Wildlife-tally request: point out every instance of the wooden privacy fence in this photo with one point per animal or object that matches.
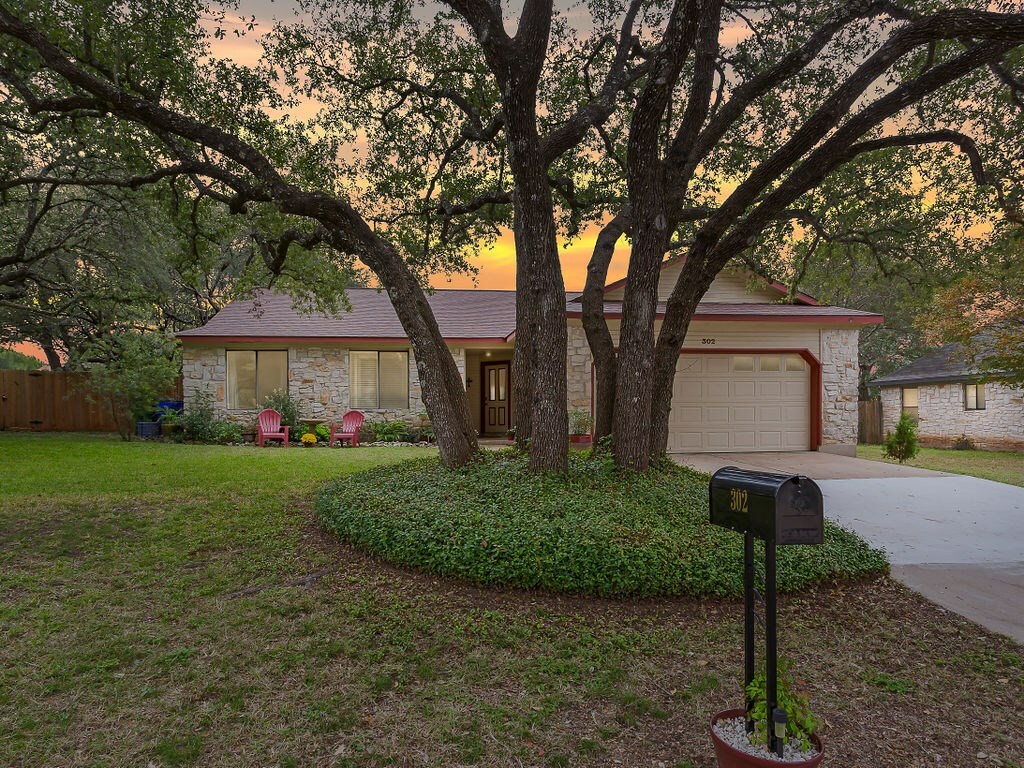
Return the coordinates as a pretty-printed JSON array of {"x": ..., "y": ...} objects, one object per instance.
[
  {"x": 54, "y": 401},
  {"x": 869, "y": 423}
]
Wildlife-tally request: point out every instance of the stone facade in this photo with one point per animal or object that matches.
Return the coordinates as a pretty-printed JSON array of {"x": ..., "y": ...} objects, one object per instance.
[
  {"x": 942, "y": 417},
  {"x": 317, "y": 380},
  {"x": 839, "y": 376},
  {"x": 578, "y": 365}
]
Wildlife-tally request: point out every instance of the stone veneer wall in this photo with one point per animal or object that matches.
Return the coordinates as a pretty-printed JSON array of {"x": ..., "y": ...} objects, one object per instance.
[
  {"x": 578, "y": 369},
  {"x": 839, "y": 378},
  {"x": 942, "y": 418},
  {"x": 317, "y": 379}
]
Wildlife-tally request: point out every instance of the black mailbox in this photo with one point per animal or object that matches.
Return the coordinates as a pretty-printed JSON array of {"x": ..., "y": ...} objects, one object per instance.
[{"x": 785, "y": 509}]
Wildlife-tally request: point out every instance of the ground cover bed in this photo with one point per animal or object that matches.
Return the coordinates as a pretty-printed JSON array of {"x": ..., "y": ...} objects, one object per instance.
[
  {"x": 596, "y": 532},
  {"x": 1001, "y": 466},
  {"x": 182, "y": 605}
]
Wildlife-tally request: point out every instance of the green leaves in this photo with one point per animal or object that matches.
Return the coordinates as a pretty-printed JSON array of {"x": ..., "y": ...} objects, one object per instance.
[{"x": 595, "y": 531}]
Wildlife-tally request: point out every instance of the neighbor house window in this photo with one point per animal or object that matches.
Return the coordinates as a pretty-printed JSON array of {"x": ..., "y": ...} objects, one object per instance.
[
  {"x": 910, "y": 401},
  {"x": 252, "y": 375},
  {"x": 378, "y": 379},
  {"x": 974, "y": 397}
]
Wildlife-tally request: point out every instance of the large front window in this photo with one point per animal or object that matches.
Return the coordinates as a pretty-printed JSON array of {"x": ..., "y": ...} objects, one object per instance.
[
  {"x": 379, "y": 379},
  {"x": 252, "y": 375}
]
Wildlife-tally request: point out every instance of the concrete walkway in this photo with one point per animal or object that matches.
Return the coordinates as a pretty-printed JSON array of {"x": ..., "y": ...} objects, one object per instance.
[{"x": 957, "y": 540}]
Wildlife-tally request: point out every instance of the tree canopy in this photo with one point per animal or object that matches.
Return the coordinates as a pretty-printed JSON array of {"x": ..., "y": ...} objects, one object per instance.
[{"x": 401, "y": 135}]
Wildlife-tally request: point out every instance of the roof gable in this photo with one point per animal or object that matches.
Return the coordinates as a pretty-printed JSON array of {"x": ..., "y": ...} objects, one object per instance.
[{"x": 730, "y": 286}]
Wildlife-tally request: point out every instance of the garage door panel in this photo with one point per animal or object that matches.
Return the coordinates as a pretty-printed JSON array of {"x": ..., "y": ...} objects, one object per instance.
[
  {"x": 717, "y": 408},
  {"x": 791, "y": 388},
  {"x": 744, "y": 441},
  {"x": 742, "y": 389},
  {"x": 716, "y": 391},
  {"x": 744, "y": 414},
  {"x": 717, "y": 441},
  {"x": 688, "y": 390}
]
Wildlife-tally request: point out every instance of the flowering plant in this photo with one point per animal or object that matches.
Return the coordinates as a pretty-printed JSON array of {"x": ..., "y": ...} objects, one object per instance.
[{"x": 309, "y": 438}]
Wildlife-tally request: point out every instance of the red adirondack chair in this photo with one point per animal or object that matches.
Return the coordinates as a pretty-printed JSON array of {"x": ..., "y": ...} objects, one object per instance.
[
  {"x": 349, "y": 429},
  {"x": 268, "y": 427}
]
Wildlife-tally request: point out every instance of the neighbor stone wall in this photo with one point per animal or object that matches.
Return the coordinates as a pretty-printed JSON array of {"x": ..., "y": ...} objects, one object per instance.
[
  {"x": 839, "y": 377},
  {"x": 943, "y": 419},
  {"x": 892, "y": 406},
  {"x": 317, "y": 379}
]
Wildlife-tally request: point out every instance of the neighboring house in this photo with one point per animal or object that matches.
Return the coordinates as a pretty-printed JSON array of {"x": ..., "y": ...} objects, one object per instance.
[
  {"x": 944, "y": 392},
  {"x": 755, "y": 374}
]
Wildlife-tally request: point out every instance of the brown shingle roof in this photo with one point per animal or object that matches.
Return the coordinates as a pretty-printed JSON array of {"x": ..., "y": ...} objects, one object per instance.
[
  {"x": 461, "y": 314},
  {"x": 757, "y": 311}
]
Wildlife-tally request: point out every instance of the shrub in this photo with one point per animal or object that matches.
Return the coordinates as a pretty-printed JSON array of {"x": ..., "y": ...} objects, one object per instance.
[
  {"x": 595, "y": 531},
  {"x": 198, "y": 421},
  {"x": 579, "y": 422},
  {"x": 283, "y": 403},
  {"x": 963, "y": 443},
  {"x": 322, "y": 432},
  {"x": 228, "y": 432},
  {"x": 390, "y": 431},
  {"x": 902, "y": 443},
  {"x": 129, "y": 371},
  {"x": 801, "y": 723}
]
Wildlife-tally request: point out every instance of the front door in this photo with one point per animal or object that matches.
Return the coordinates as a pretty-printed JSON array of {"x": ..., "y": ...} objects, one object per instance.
[{"x": 495, "y": 398}]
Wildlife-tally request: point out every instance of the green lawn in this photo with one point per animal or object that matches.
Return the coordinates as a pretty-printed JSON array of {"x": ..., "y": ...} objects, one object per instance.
[
  {"x": 1002, "y": 466},
  {"x": 174, "y": 605}
]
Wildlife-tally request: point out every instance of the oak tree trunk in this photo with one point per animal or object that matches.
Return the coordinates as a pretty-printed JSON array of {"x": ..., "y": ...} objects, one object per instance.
[{"x": 599, "y": 338}]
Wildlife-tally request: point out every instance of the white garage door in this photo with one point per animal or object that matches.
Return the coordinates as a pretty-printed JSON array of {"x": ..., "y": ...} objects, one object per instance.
[{"x": 731, "y": 402}]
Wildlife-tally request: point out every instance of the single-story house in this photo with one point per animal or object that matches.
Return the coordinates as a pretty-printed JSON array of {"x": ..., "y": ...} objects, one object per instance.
[
  {"x": 950, "y": 400},
  {"x": 755, "y": 373}
]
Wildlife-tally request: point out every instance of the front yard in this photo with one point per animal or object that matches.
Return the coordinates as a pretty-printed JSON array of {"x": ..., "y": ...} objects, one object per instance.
[
  {"x": 180, "y": 605},
  {"x": 1001, "y": 466}
]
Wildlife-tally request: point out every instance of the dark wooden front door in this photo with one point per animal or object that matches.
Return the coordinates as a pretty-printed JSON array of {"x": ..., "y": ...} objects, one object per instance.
[{"x": 496, "y": 393}]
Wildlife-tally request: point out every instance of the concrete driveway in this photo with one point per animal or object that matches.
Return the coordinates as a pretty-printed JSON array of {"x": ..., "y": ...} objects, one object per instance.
[{"x": 957, "y": 540}]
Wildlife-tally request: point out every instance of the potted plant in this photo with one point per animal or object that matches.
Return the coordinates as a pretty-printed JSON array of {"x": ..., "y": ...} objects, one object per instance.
[
  {"x": 308, "y": 440},
  {"x": 168, "y": 418},
  {"x": 510, "y": 434},
  {"x": 579, "y": 426},
  {"x": 736, "y": 747}
]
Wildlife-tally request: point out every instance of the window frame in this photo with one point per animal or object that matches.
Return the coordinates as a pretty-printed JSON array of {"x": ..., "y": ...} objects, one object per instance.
[
  {"x": 980, "y": 401},
  {"x": 378, "y": 407},
  {"x": 228, "y": 400},
  {"x": 912, "y": 410}
]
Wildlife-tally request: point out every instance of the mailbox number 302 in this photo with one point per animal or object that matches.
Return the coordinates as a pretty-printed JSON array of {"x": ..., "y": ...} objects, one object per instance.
[{"x": 738, "y": 500}]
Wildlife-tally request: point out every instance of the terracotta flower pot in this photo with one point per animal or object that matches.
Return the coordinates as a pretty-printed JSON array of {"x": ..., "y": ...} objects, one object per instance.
[
  {"x": 730, "y": 757},
  {"x": 579, "y": 438}
]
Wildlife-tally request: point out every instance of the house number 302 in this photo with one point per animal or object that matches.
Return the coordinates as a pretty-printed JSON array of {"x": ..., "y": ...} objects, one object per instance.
[
  {"x": 738, "y": 500},
  {"x": 707, "y": 342}
]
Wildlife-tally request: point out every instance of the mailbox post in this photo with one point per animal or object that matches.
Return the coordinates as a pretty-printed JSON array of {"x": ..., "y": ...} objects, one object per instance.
[{"x": 778, "y": 509}]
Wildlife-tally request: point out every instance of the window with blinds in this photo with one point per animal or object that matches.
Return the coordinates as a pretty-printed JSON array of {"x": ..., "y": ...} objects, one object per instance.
[
  {"x": 974, "y": 397},
  {"x": 378, "y": 379},
  {"x": 252, "y": 375}
]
